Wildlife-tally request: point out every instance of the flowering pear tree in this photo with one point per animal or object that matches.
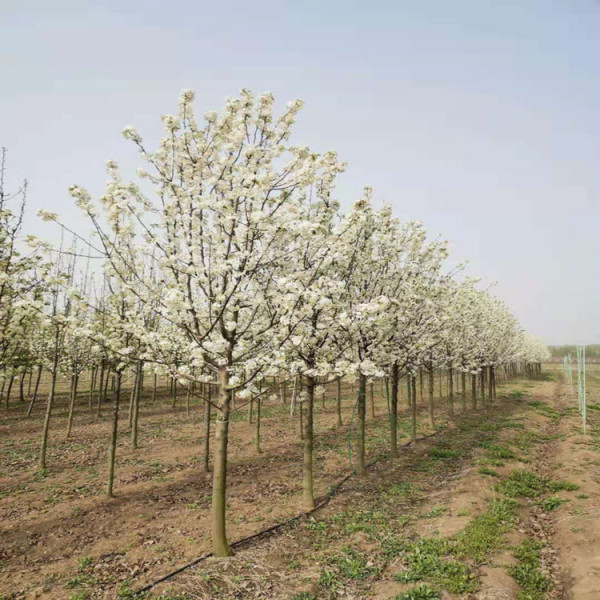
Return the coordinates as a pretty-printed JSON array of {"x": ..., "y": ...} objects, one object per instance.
[{"x": 225, "y": 217}]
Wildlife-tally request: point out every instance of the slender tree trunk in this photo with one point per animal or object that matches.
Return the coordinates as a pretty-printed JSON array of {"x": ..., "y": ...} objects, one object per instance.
[
  {"x": 3, "y": 386},
  {"x": 72, "y": 398},
  {"x": 361, "y": 416},
  {"x": 413, "y": 395},
  {"x": 494, "y": 383},
  {"x": 29, "y": 383},
  {"x": 220, "y": 545},
  {"x": 101, "y": 388},
  {"x": 35, "y": 391},
  {"x": 174, "y": 392},
  {"x": 257, "y": 433},
  {"x": 490, "y": 384},
  {"x": 431, "y": 407},
  {"x": 339, "y": 402},
  {"x": 132, "y": 398},
  {"x": 450, "y": 393},
  {"x": 372, "y": 392},
  {"x": 308, "y": 493},
  {"x": 250, "y": 409},
  {"x": 463, "y": 393},
  {"x": 474, "y": 391},
  {"x": 92, "y": 386},
  {"x": 136, "y": 406},
  {"x": 154, "y": 385},
  {"x": 394, "y": 412},
  {"x": 207, "y": 407},
  {"x": 49, "y": 405},
  {"x": 9, "y": 390},
  {"x": 113, "y": 435},
  {"x": 22, "y": 387},
  {"x": 482, "y": 385}
]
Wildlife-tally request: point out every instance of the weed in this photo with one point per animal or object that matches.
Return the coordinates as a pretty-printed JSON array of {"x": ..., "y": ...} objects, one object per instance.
[
  {"x": 483, "y": 535},
  {"x": 443, "y": 453},
  {"x": 534, "y": 584},
  {"x": 488, "y": 471},
  {"x": 557, "y": 486},
  {"x": 425, "y": 561},
  {"x": 551, "y": 503},
  {"x": 522, "y": 483},
  {"x": 420, "y": 592},
  {"x": 353, "y": 565}
]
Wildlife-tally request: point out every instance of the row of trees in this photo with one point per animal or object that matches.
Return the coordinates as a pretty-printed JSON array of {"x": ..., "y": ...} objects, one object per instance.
[{"x": 231, "y": 268}]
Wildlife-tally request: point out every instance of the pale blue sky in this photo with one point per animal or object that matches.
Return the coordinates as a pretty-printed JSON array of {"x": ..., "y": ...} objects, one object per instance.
[{"x": 478, "y": 117}]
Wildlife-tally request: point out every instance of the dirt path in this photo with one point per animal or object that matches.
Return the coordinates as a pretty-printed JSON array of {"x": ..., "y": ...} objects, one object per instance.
[{"x": 576, "y": 524}]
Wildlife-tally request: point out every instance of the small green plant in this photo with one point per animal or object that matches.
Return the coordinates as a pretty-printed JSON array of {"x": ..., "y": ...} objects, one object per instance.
[
  {"x": 551, "y": 503},
  {"x": 420, "y": 592},
  {"x": 329, "y": 580},
  {"x": 488, "y": 471},
  {"x": 354, "y": 565}
]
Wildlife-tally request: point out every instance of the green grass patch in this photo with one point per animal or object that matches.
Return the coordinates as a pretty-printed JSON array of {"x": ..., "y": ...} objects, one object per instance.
[
  {"x": 426, "y": 560},
  {"x": 420, "y": 592},
  {"x": 534, "y": 584},
  {"x": 444, "y": 453}
]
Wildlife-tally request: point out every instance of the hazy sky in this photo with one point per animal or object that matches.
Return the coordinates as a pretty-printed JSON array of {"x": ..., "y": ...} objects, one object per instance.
[{"x": 479, "y": 117}]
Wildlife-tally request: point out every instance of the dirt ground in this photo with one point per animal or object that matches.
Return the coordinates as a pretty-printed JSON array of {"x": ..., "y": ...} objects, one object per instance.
[{"x": 61, "y": 538}]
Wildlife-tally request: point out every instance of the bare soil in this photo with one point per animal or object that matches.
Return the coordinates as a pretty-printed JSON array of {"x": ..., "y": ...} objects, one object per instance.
[{"x": 62, "y": 538}]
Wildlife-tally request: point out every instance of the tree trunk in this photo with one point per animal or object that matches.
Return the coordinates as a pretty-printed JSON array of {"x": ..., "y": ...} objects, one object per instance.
[
  {"x": 490, "y": 384},
  {"x": 339, "y": 402},
  {"x": 22, "y": 387},
  {"x": 463, "y": 393},
  {"x": 8, "y": 391},
  {"x": 450, "y": 393},
  {"x": 250, "y": 408},
  {"x": 207, "y": 407},
  {"x": 92, "y": 386},
  {"x": 101, "y": 389},
  {"x": 136, "y": 406},
  {"x": 474, "y": 391},
  {"x": 413, "y": 396},
  {"x": 72, "y": 398},
  {"x": 49, "y": 404},
  {"x": 361, "y": 415},
  {"x": 372, "y": 392},
  {"x": 220, "y": 545},
  {"x": 308, "y": 493},
  {"x": 154, "y": 385},
  {"x": 394, "y": 412},
  {"x": 35, "y": 391},
  {"x": 431, "y": 408},
  {"x": 113, "y": 435},
  {"x": 257, "y": 436},
  {"x": 494, "y": 383}
]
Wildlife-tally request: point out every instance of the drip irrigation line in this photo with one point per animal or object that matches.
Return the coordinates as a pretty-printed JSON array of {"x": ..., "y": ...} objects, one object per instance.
[{"x": 275, "y": 528}]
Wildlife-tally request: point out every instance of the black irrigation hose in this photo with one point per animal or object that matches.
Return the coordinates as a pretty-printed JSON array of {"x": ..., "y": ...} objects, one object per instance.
[{"x": 274, "y": 528}]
